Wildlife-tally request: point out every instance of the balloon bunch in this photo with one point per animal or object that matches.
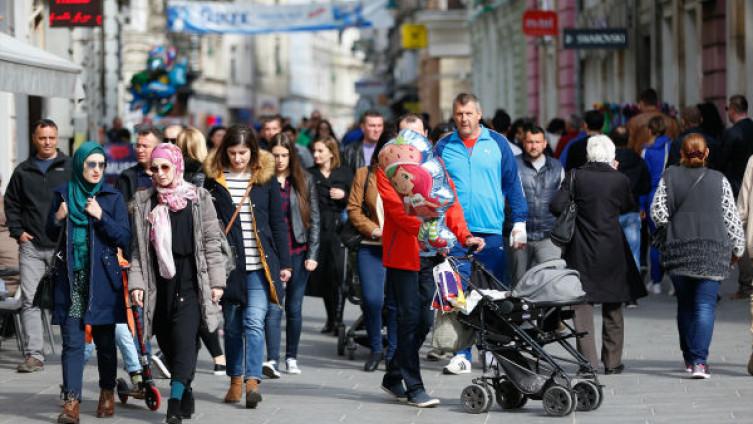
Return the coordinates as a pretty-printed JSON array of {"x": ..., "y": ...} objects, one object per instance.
[
  {"x": 421, "y": 180},
  {"x": 157, "y": 86}
]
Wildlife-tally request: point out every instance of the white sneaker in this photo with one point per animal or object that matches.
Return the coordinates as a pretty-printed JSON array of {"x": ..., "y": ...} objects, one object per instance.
[
  {"x": 156, "y": 360},
  {"x": 269, "y": 369},
  {"x": 458, "y": 365},
  {"x": 291, "y": 366},
  {"x": 655, "y": 288}
]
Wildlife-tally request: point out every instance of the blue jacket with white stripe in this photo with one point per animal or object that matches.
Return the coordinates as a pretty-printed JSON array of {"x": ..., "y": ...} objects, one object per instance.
[{"x": 485, "y": 177}]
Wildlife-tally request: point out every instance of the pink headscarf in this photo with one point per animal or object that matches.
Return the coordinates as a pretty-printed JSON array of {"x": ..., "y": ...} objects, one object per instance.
[{"x": 173, "y": 198}]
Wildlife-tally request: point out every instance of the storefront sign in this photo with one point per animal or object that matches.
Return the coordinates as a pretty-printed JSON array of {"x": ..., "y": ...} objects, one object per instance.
[
  {"x": 234, "y": 18},
  {"x": 414, "y": 36},
  {"x": 540, "y": 23},
  {"x": 602, "y": 38},
  {"x": 75, "y": 13}
]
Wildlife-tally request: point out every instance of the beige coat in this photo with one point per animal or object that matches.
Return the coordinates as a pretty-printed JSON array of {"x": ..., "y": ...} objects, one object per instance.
[
  {"x": 209, "y": 260},
  {"x": 745, "y": 204}
]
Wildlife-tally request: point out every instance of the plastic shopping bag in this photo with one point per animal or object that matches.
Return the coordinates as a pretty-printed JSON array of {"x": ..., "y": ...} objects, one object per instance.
[{"x": 449, "y": 295}]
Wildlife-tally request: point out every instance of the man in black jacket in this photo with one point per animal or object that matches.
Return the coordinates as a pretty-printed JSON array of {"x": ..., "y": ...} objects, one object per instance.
[
  {"x": 136, "y": 178},
  {"x": 27, "y": 204},
  {"x": 358, "y": 155},
  {"x": 737, "y": 147}
]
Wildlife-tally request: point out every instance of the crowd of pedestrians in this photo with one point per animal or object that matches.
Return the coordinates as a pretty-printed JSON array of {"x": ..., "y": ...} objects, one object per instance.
[{"x": 230, "y": 232}]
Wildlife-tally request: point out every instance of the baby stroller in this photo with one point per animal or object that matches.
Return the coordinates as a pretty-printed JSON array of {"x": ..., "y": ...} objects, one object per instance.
[{"x": 515, "y": 330}]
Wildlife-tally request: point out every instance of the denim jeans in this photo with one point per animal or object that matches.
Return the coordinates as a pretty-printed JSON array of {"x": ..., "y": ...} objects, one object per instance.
[
  {"x": 244, "y": 329},
  {"x": 273, "y": 326},
  {"x": 294, "y": 292},
  {"x": 126, "y": 345},
  {"x": 74, "y": 340},
  {"x": 631, "y": 226},
  {"x": 492, "y": 258},
  {"x": 371, "y": 273},
  {"x": 413, "y": 297},
  {"x": 696, "y": 311}
]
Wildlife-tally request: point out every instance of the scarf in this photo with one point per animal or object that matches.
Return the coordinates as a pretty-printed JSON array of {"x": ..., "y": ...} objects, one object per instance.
[
  {"x": 79, "y": 190},
  {"x": 173, "y": 197}
]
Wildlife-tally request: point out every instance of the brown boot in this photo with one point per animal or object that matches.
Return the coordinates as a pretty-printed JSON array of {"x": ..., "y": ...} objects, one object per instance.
[
  {"x": 235, "y": 391},
  {"x": 253, "y": 397},
  {"x": 106, "y": 405},
  {"x": 70, "y": 411}
]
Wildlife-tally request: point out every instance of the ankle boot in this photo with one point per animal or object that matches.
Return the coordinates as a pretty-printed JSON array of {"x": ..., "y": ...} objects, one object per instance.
[
  {"x": 235, "y": 391},
  {"x": 106, "y": 405},
  {"x": 187, "y": 405},
  {"x": 253, "y": 397},
  {"x": 173, "y": 412},
  {"x": 70, "y": 413}
]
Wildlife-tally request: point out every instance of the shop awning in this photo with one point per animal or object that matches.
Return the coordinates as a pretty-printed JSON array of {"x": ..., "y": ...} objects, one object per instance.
[{"x": 30, "y": 70}]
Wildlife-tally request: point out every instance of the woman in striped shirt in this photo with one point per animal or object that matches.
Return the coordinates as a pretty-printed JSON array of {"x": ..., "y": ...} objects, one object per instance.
[{"x": 246, "y": 195}]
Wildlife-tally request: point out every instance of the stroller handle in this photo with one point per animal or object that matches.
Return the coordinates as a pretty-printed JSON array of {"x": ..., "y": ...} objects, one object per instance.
[{"x": 470, "y": 250}]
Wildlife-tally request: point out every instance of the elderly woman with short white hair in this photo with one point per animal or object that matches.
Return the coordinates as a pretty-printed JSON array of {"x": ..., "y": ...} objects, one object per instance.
[{"x": 599, "y": 250}]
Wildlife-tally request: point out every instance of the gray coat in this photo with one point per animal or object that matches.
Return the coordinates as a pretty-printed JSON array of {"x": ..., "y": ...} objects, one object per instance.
[
  {"x": 301, "y": 234},
  {"x": 209, "y": 260}
]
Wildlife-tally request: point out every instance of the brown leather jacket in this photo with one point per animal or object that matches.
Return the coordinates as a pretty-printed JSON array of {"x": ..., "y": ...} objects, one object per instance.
[
  {"x": 364, "y": 224},
  {"x": 638, "y": 128}
]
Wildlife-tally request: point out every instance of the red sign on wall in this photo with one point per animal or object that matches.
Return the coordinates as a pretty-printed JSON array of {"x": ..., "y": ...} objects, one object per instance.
[
  {"x": 74, "y": 13},
  {"x": 539, "y": 23}
]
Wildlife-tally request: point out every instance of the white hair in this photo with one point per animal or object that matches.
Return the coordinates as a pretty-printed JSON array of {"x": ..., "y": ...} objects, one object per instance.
[{"x": 600, "y": 148}]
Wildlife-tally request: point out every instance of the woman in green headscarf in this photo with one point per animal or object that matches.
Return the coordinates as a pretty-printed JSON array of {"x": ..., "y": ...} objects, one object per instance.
[{"x": 88, "y": 284}]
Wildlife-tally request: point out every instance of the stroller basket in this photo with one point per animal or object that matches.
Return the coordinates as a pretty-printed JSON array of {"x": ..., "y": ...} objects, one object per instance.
[{"x": 525, "y": 379}]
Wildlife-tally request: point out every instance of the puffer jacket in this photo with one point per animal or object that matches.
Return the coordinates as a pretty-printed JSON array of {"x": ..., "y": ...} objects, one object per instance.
[
  {"x": 210, "y": 264},
  {"x": 539, "y": 188}
]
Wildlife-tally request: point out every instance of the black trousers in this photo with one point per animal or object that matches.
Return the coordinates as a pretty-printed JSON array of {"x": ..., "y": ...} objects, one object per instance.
[
  {"x": 178, "y": 337},
  {"x": 211, "y": 341},
  {"x": 413, "y": 292}
]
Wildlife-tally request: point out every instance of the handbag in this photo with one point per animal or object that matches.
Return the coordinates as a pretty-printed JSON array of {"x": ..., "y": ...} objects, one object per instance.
[
  {"x": 44, "y": 297},
  {"x": 564, "y": 226},
  {"x": 349, "y": 235},
  {"x": 451, "y": 335},
  {"x": 659, "y": 238}
]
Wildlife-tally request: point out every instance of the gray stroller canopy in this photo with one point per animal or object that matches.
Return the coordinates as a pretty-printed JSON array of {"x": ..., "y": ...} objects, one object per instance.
[{"x": 550, "y": 282}]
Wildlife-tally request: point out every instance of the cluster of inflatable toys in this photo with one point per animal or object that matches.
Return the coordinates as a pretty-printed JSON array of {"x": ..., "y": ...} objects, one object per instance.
[{"x": 158, "y": 86}]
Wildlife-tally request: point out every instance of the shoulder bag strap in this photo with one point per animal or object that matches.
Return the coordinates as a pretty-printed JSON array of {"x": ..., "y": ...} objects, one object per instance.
[
  {"x": 572, "y": 185},
  {"x": 364, "y": 206},
  {"x": 229, "y": 225},
  {"x": 695, "y": 183}
]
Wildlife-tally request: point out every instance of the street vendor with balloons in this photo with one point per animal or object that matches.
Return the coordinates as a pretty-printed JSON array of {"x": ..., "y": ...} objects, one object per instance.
[{"x": 422, "y": 222}]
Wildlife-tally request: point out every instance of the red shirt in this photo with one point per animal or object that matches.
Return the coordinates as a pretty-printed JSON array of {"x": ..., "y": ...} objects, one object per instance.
[
  {"x": 400, "y": 235},
  {"x": 470, "y": 142}
]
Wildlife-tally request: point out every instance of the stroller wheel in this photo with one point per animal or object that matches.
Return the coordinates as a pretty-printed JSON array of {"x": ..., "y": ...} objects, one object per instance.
[
  {"x": 589, "y": 396},
  {"x": 152, "y": 397},
  {"x": 509, "y": 397},
  {"x": 475, "y": 399},
  {"x": 341, "y": 340},
  {"x": 558, "y": 401},
  {"x": 123, "y": 391}
]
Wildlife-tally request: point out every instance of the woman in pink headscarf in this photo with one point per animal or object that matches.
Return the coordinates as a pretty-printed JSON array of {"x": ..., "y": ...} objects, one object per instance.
[{"x": 177, "y": 269}]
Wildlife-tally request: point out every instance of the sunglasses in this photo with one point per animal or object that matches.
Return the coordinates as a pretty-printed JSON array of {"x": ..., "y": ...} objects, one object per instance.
[
  {"x": 164, "y": 167},
  {"x": 171, "y": 140},
  {"x": 91, "y": 164}
]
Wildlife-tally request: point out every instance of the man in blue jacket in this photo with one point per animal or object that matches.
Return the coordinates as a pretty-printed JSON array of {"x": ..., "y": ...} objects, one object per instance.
[{"x": 485, "y": 173}]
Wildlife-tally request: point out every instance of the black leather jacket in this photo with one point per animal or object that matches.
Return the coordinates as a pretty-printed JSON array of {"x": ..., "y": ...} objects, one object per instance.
[
  {"x": 353, "y": 156},
  {"x": 301, "y": 234}
]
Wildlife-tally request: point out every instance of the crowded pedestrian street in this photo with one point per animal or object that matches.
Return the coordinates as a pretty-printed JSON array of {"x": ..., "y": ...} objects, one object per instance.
[
  {"x": 376, "y": 211},
  {"x": 653, "y": 389}
]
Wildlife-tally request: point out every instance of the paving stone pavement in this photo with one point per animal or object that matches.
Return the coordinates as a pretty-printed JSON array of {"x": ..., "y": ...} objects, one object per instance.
[{"x": 332, "y": 389}]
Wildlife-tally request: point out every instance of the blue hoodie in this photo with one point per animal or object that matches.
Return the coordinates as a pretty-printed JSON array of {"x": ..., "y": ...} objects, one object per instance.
[
  {"x": 485, "y": 177},
  {"x": 656, "y": 156}
]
